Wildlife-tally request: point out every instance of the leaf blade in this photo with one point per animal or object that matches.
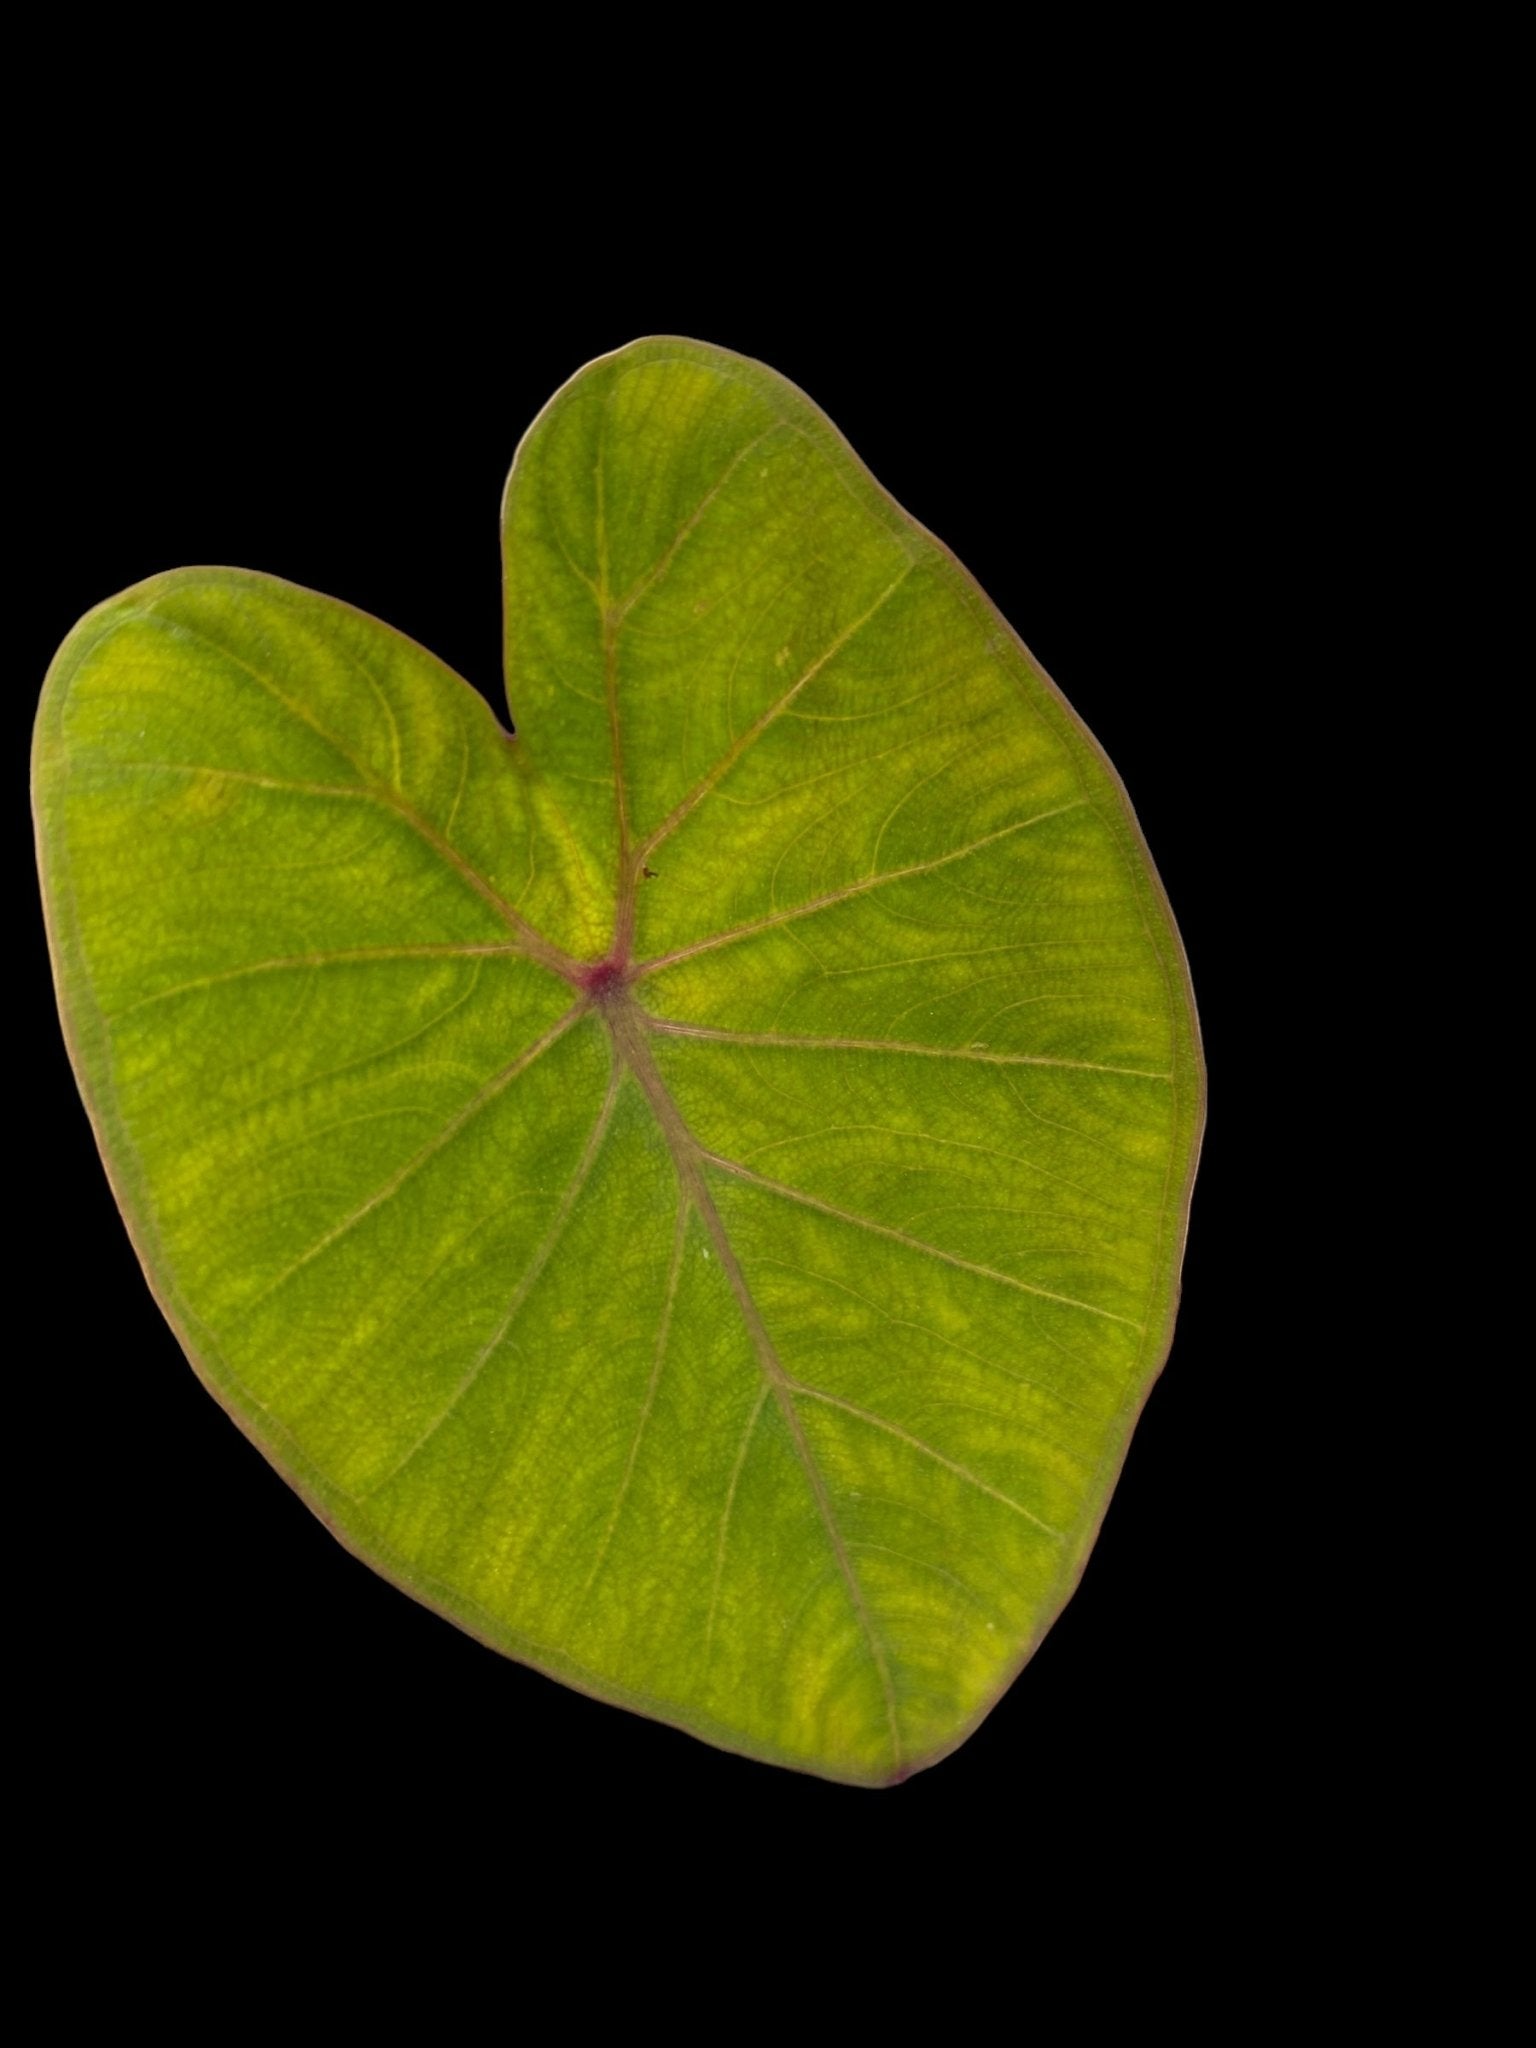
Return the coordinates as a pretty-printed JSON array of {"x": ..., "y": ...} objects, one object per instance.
[{"x": 564, "y": 1301}]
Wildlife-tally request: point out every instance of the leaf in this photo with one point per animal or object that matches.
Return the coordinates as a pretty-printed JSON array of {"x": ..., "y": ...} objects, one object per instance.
[{"x": 695, "y": 1193}]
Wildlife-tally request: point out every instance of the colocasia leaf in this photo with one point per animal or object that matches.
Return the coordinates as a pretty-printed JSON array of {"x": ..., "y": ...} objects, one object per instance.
[{"x": 694, "y": 1193}]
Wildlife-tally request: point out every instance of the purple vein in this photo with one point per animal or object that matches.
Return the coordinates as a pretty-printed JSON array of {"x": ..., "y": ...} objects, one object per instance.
[
  {"x": 663, "y": 561},
  {"x": 954, "y": 1144},
  {"x": 917, "y": 1443},
  {"x": 784, "y": 1042},
  {"x": 414, "y": 1164},
  {"x": 687, "y": 1155},
  {"x": 760, "y": 725},
  {"x": 861, "y": 888},
  {"x": 623, "y": 889},
  {"x": 916, "y": 1244},
  {"x": 782, "y": 1388},
  {"x": 525, "y": 1285},
  {"x": 534, "y": 942},
  {"x": 346, "y": 956},
  {"x": 612, "y": 618}
]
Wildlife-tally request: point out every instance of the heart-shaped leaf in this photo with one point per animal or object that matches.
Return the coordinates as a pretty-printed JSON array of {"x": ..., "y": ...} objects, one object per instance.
[{"x": 694, "y": 1193}]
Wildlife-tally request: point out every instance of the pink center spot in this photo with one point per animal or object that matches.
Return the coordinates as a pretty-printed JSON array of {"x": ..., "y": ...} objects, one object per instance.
[{"x": 603, "y": 979}]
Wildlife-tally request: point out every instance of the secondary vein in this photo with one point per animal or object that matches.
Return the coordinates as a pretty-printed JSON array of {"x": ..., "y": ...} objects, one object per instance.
[
  {"x": 688, "y": 1157},
  {"x": 534, "y": 942},
  {"x": 859, "y": 888},
  {"x": 902, "y": 1237},
  {"x": 779, "y": 1040},
  {"x": 414, "y": 1164},
  {"x": 524, "y": 1286}
]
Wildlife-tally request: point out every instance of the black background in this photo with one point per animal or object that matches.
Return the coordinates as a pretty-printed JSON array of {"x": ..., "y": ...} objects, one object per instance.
[{"x": 350, "y": 428}]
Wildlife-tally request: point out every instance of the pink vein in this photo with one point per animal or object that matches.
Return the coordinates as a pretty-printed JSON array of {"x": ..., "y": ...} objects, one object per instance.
[
  {"x": 917, "y": 1244},
  {"x": 536, "y": 944},
  {"x": 524, "y": 1287},
  {"x": 917, "y": 1443},
  {"x": 760, "y": 725},
  {"x": 663, "y": 561},
  {"x": 862, "y": 888},
  {"x": 687, "y": 1154},
  {"x": 778, "y": 1039},
  {"x": 413, "y": 1165},
  {"x": 346, "y": 956}
]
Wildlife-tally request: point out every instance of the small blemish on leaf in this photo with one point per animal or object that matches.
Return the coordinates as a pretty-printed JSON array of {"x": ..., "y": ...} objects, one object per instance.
[{"x": 647, "y": 874}]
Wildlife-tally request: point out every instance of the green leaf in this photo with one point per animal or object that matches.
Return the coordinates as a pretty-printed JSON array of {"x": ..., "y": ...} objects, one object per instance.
[{"x": 695, "y": 1194}]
